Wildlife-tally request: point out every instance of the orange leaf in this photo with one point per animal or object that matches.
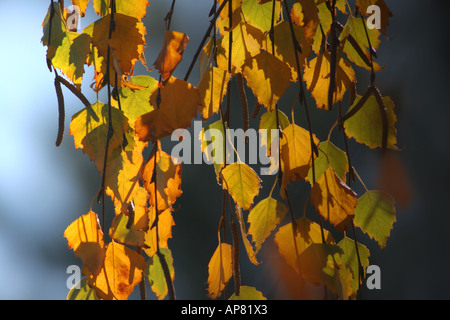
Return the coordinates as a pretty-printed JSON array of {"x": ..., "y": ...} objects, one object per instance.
[
  {"x": 296, "y": 158},
  {"x": 179, "y": 103},
  {"x": 165, "y": 224},
  {"x": 334, "y": 200},
  {"x": 171, "y": 53},
  {"x": 86, "y": 238},
  {"x": 121, "y": 272},
  {"x": 317, "y": 77},
  {"x": 168, "y": 180},
  {"x": 219, "y": 270}
]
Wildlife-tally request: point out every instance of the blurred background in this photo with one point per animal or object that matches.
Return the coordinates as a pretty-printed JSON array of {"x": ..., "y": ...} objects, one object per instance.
[{"x": 44, "y": 188}]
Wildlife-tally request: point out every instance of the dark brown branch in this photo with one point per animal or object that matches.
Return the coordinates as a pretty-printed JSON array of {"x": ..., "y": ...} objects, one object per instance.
[
  {"x": 80, "y": 96},
  {"x": 61, "y": 111},
  {"x": 205, "y": 37}
]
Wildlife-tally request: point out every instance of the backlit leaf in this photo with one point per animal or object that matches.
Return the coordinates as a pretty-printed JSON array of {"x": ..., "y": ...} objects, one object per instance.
[
  {"x": 154, "y": 272},
  {"x": 317, "y": 77},
  {"x": 264, "y": 218},
  {"x": 219, "y": 270},
  {"x": 260, "y": 15},
  {"x": 84, "y": 292},
  {"x": 248, "y": 293},
  {"x": 135, "y": 8},
  {"x": 179, "y": 104},
  {"x": 212, "y": 88},
  {"x": 268, "y": 77},
  {"x": 375, "y": 215},
  {"x": 296, "y": 156},
  {"x": 334, "y": 200},
  {"x": 269, "y": 122},
  {"x": 242, "y": 183},
  {"x": 305, "y": 14},
  {"x": 171, "y": 54},
  {"x": 121, "y": 272},
  {"x": 168, "y": 180},
  {"x": 85, "y": 237},
  {"x": 350, "y": 258},
  {"x": 307, "y": 232},
  {"x": 366, "y": 126},
  {"x": 165, "y": 224},
  {"x": 329, "y": 156}
]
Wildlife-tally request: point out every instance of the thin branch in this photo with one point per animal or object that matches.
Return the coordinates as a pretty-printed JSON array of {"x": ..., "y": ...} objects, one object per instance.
[{"x": 205, "y": 37}]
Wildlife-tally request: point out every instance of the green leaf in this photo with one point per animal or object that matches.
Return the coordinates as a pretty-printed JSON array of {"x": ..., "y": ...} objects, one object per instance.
[
  {"x": 85, "y": 292},
  {"x": 260, "y": 15},
  {"x": 155, "y": 274},
  {"x": 358, "y": 32},
  {"x": 366, "y": 125},
  {"x": 350, "y": 258},
  {"x": 375, "y": 215},
  {"x": 135, "y": 103},
  {"x": 248, "y": 293},
  {"x": 329, "y": 155},
  {"x": 264, "y": 218}
]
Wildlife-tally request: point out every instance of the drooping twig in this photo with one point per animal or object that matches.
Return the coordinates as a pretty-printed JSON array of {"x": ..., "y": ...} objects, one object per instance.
[{"x": 205, "y": 37}]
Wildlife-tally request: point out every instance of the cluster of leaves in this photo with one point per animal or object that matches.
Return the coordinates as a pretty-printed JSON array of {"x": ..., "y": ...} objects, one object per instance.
[{"x": 268, "y": 46}]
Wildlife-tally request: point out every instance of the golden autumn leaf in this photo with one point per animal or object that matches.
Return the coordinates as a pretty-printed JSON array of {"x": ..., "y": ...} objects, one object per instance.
[
  {"x": 179, "y": 103},
  {"x": 168, "y": 180},
  {"x": 122, "y": 175},
  {"x": 247, "y": 43},
  {"x": 307, "y": 232},
  {"x": 296, "y": 156},
  {"x": 130, "y": 227},
  {"x": 305, "y": 14},
  {"x": 165, "y": 224},
  {"x": 135, "y": 8},
  {"x": 127, "y": 44},
  {"x": 212, "y": 89},
  {"x": 242, "y": 183},
  {"x": 171, "y": 54},
  {"x": 219, "y": 270},
  {"x": 82, "y": 4},
  {"x": 334, "y": 200},
  {"x": 121, "y": 272},
  {"x": 268, "y": 77},
  {"x": 317, "y": 77},
  {"x": 85, "y": 237}
]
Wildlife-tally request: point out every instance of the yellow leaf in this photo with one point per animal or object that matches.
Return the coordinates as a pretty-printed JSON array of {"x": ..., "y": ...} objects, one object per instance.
[
  {"x": 317, "y": 77},
  {"x": 168, "y": 180},
  {"x": 179, "y": 103},
  {"x": 86, "y": 238},
  {"x": 247, "y": 42},
  {"x": 268, "y": 77},
  {"x": 171, "y": 53},
  {"x": 127, "y": 44},
  {"x": 334, "y": 200},
  {"x": 219, "y": 270},
  {"x": 121, "y": 272},
  {"x": 122, "y": 175},
  {"x": 385, "y": 13},
  {"x": 307, "y": 232},
  {"x": 130, "y": 227},
  {"x": 296, "y": 157},
  {"x": 242, "y": 183},
  {"x": 212, "y": 89},
  {"x": 135, "y": 8},
  {"x": 165, "y": 224}
]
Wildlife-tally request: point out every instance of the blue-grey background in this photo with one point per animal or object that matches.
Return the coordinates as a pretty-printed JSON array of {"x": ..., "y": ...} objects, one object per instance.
[{"x": 44, "y": 188}]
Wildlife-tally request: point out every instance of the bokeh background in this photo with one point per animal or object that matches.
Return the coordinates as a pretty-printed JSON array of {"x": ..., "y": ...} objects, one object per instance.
[{"x": 44, "y": 188}]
